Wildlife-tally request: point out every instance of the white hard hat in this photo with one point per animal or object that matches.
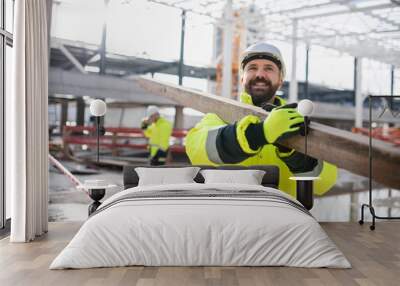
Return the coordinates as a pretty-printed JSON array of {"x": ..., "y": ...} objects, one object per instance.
[
  {"x": 152, "y": 109},
  {"x": 263, "y": 50}
]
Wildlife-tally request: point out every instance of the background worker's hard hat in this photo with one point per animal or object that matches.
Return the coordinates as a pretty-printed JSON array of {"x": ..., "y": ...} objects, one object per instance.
[
  {"x": 263, "y": 51},
  {"x": 152, "y": 109}
]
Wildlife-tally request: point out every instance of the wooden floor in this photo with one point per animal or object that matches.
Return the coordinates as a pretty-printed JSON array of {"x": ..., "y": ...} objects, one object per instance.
[{"x": 374, "y": 255}]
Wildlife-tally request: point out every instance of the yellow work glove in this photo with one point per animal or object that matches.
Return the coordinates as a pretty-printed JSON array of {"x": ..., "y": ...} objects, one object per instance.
[
  {"x": 145, "y": 123},
  {"x": 282, "y": 122}
]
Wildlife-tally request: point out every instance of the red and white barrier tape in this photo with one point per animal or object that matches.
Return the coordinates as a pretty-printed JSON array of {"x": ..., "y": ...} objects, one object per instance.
[{"x": 65, "y": 171}]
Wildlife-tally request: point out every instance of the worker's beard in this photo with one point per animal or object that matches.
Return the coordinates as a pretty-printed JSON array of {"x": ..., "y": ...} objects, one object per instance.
[{"x": 261, "y": 94}]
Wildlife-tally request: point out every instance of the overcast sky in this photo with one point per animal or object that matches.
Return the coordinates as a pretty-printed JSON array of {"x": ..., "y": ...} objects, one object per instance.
[{"x": 150, "y": 30}]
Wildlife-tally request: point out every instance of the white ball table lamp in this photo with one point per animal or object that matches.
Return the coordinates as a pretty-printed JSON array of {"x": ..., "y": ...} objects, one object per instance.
[{"x": 304, "y": 185}]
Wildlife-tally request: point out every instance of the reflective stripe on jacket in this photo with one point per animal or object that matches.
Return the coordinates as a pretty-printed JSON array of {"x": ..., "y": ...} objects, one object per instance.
[{"x": 211, "y": 142}]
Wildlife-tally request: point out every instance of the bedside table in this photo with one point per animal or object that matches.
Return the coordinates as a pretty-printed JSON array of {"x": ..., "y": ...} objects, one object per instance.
[
  {"x": 96, "y": 191},
  {"x": 304, "y": 190}
]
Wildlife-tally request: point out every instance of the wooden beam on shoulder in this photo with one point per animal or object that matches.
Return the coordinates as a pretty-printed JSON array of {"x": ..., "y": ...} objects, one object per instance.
[{"x": 342, "y": 148}]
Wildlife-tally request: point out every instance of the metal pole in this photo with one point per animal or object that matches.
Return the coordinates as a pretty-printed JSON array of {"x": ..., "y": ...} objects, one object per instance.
[
  {"x": 180, "y": 67},
  {"x": 103, "y": 44},
  {"x": 98, "y": 136},
  {"x": 358, "y": 94},
  {"x": 63, "y": 115},
  {"x": 305, "y": 137},
  {"x": 370, "y": 150},
  {"x": 307, "y": 70},
  {"x": 392, "y": 81},
  {"x": 80, "y": 111},
  {"x": 355, "y": 81},
  {"x": 103, "y": 50},
  {"x": 49, "y": 12},
  {"x": 293, "y": 96},
  {"x": 178, "y": 117},
  {"x": 227, "y": 51}
]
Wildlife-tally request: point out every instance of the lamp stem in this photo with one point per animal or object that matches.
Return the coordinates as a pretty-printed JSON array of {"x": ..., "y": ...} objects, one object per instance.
[
  {"x": 98, "y": 136},
  {"x": 305, "y": 137}
]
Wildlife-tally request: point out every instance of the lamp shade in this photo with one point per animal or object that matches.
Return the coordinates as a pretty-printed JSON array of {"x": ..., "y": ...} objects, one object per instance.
[
  {"x": 305, "y": 107},
  {"x": 98, "y": 107}
]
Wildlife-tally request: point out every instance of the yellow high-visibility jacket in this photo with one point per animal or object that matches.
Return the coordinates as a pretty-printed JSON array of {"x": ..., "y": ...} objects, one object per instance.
[
  {"x": 158, "y": 133},
  {"x": 210, "y": 143}
]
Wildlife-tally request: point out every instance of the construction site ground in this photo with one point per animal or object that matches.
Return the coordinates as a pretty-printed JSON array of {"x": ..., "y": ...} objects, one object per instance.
[{"x": 342, "y": 203}]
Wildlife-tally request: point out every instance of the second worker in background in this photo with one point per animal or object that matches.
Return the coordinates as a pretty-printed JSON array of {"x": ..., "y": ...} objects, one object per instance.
[{"x": 158, "y": 130}]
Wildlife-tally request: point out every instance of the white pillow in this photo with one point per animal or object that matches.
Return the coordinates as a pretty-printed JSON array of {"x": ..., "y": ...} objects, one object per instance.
[
  {"x": 248, "y": 177},
  {"x": 164, "y": 176}
]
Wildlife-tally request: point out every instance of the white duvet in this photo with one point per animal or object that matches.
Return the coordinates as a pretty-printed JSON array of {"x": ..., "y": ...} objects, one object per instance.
[{"x": 200, "y": 231}]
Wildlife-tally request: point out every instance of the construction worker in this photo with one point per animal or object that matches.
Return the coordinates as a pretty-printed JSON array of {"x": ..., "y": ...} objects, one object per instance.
[
  {"x": 158, "y": 130},
  {"x": 252, "y": 141}
]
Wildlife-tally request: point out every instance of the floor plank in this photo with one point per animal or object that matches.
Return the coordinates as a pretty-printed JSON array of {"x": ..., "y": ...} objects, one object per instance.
[{"x": 374, "y": 255}]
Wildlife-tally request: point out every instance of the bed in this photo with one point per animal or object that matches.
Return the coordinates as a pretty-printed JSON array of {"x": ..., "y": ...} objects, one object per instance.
[{"x": 201, "y": 224}]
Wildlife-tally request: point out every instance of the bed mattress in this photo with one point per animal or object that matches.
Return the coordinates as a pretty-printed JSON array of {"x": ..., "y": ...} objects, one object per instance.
[{"x": 201, "y": 225}]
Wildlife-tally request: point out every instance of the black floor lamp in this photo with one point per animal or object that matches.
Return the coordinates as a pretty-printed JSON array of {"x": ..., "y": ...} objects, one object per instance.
[
  {"x": 304, "y": 184},
  {"x": 98, "y": 108},
  {"x": 97, "y": 188},
  {"x": 305, "y": 108}
]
